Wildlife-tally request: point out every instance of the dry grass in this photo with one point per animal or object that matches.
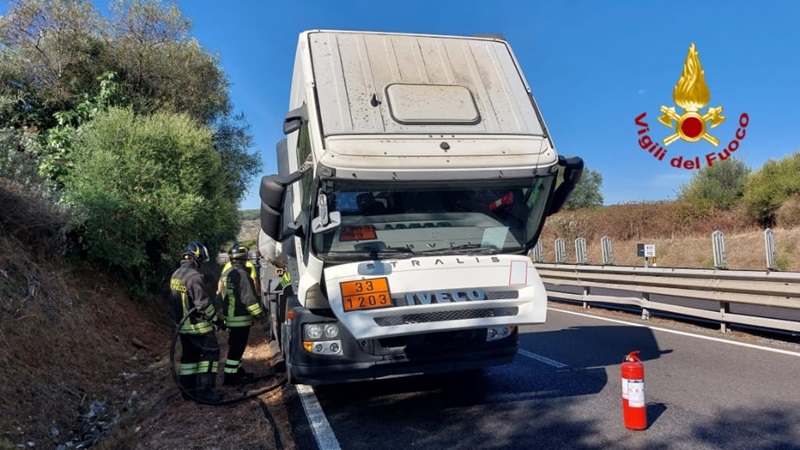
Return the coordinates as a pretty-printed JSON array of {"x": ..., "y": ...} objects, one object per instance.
[
  {"x": 681, "y": 233},
  {"x": 66, "y": 340},
  {"x": 637, "y": 221},
  {"x": 743, "y": 251}
]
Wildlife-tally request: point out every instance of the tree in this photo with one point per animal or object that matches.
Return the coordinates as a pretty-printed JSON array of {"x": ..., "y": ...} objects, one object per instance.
[
  {"x": 720, "y": 185},
  {"x": 161, "y": 67},
  {"x": 232, "y": 140},
  {"x": 144, "y": 186},
  {"x": 769, "y": 187},
  {"x": 587, "y": 192},
  {"x": 52, "y": 51}
]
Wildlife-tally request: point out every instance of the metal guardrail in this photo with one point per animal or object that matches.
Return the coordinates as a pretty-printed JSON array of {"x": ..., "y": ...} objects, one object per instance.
[{"x": 751, "y": 287}]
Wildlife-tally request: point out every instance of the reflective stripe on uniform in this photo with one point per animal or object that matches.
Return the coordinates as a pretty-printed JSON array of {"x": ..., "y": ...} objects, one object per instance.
[
  {"x": 203, "y": 366},
  {"x": 232, "y": 365},
  {"x": 188, "y": 368},
  {"x": 196, "y": 328},
  {"x": 255, "y": 309},
  {"x": 285, "y": 280},
  {"x": 239, "y": 321}
]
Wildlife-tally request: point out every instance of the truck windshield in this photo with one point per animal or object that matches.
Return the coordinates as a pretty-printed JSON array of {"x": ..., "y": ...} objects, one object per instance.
[{"x": 396, "y": 220}]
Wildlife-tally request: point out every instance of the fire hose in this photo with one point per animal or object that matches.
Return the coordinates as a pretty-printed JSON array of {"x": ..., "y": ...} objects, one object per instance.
[{"x": 281, "y": 379}]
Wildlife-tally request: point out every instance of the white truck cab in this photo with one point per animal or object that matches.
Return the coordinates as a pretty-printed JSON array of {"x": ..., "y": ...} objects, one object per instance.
[{"x": 415, "y": 177}]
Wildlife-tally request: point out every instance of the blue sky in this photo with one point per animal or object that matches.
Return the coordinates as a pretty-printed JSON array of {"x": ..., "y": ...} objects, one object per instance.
[{"x": 593, "y": 67}]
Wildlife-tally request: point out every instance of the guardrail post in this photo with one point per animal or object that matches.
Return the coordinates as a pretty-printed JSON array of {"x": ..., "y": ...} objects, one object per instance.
[
  {"x": 608, "y": 253},
  {"x": 586, "y": 293},
  {"x": 645, "y": 300},
  {"x": 724, "y": 308},
  {"x": 561, "y": 251},
  {"x": 538, "y": 252},
  {"x": 580, "y": 251},
  {"x": 769, "y": 243},
  {"x": 718, "y": 240}
]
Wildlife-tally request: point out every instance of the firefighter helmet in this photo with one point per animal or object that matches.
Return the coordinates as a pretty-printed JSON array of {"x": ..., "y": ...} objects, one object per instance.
[
  {"x": 238, "y": 252},
  {"x": 196, "y": 251}
]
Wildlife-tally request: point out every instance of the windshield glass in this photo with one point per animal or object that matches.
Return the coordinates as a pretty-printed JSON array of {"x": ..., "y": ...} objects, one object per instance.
[{"x": 393, "y": 220}]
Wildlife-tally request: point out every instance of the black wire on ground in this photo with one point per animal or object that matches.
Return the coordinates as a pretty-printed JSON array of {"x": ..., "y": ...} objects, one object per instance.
[
  {"x": 276, "y": 435},
  {"x": 280, "y": 381}
]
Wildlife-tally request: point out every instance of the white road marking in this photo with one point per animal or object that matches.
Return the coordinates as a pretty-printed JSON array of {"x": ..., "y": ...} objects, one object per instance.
[
  {"x": 540, "y": 358},
  {"x": 323, "y": 432},
  {"x": 683, "y": 333}
]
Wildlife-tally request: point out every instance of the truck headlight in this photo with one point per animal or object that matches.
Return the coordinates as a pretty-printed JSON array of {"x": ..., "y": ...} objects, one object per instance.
[
  {"x": 312, "y": 331},
  {"x": 319, "y": 338},
  {"x": 331, "y": 330}
]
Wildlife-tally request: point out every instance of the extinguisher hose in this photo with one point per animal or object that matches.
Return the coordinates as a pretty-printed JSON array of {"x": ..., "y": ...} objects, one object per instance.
[{"x": 280, "y": 381}]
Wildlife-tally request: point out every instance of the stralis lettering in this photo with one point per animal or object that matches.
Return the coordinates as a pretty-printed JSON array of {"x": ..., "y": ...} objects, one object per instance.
[
  {"x": 440, "y": 262},
  {"x": 428, "y": 297}
]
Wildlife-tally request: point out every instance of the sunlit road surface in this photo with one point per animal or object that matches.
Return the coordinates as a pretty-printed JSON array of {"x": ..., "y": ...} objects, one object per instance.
[{"x": 564, "y": 391}]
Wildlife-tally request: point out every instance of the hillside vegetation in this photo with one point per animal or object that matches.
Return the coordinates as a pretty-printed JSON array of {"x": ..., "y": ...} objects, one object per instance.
[{"x": 681, "y": 233}]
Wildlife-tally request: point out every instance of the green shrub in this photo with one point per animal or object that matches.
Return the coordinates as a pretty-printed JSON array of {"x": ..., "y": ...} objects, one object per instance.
[
  {"x": 720, "y": 185},
  {"x": 788, "y": 214},
  {"x": 768, "y": 188},
  {"x": 144, "y": 186}
]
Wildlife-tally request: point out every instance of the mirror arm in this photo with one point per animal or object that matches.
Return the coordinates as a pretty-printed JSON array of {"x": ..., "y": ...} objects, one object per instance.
[{"x": 295, "y": 119}]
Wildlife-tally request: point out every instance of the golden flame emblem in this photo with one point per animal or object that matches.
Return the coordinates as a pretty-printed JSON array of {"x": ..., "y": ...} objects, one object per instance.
[{"x": 691, "y": 93}]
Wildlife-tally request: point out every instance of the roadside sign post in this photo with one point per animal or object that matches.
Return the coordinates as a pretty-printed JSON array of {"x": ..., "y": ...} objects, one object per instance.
[{"x": 647, "y": 251}]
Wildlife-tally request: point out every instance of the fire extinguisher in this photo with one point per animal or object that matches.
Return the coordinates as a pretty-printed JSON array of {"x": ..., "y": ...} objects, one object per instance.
[
  {"x": 634, "y": 411},
  {"x": 501, "y": 202}
]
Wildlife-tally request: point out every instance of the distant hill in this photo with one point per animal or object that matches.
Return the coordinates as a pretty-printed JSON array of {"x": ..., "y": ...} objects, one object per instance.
[{"x": 248, "y": 214}]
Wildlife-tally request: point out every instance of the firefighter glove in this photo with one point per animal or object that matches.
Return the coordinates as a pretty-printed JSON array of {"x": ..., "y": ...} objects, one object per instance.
[{"x": 219, "y": 324}]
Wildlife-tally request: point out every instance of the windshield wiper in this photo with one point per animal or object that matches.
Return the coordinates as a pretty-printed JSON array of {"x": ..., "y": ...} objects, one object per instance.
[
  {"x": 463, "y": 249},
  {"x": 389, "y": 252}
]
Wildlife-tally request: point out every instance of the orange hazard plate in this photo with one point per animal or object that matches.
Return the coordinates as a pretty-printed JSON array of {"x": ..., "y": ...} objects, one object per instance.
[
  {"x": 358, "y": 233},
  {"x": 366, "y": 294}
]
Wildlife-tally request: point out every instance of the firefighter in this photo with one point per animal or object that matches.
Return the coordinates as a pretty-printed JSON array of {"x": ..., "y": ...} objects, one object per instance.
[
  {"x": 200, "y": 348},
  {"x": 237, "y": 288},
  {"x": 248, "y": 265}
]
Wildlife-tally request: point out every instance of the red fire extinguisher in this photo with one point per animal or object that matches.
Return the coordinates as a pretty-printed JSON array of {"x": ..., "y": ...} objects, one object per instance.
[
  {"x": 634, "y": 411},
  {"x": 502, "y": 202}
]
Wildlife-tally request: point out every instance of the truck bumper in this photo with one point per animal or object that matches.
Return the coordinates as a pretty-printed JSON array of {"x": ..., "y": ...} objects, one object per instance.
[{"x": 376, "y": 359}]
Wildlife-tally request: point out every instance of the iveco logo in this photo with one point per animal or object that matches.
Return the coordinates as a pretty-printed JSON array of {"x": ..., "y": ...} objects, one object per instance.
[{"x": 428, "y": 297}]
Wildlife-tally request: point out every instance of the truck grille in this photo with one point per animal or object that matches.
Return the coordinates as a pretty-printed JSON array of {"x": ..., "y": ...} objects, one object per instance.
[{"x": 406, "y": 319}]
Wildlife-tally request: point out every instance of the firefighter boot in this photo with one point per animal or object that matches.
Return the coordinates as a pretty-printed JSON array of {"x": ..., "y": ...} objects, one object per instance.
[
  {"x": 189, "y": 384},
  {"x": 205, "y": 388},
  {"x": 240, "y": 377},
  {"x": 245, "y": 376}
]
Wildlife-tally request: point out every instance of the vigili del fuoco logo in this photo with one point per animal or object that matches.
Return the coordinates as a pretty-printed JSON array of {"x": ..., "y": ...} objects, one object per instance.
[{"x": 693, "y": 125}]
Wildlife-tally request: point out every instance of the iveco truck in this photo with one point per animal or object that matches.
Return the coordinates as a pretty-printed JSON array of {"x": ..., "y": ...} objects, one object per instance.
[{"x": 414, "y": 179}]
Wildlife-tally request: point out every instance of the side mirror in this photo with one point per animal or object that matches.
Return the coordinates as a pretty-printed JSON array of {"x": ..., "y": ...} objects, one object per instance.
[
  {"x": 295, "y": 119},
  {"x": 573, "y": 171},
  {"x": 273, "y": 193}
]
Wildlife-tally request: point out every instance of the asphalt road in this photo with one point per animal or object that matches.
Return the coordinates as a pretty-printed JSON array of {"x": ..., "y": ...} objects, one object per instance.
[{"x": 564, "y": 391}]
